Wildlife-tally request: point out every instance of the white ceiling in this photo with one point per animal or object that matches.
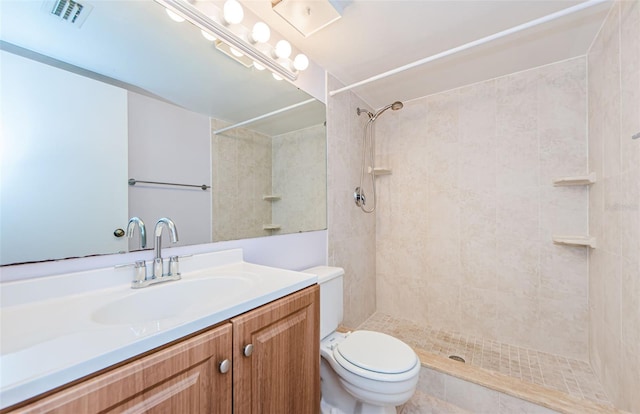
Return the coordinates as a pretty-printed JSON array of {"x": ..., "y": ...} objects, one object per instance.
[
  {"x": 374, "y": 36},
  {"x": 134, "y": 42}
]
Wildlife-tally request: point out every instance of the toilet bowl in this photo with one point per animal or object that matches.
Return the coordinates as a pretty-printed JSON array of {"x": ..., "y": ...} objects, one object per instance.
[{"x": 362, "y": 372}]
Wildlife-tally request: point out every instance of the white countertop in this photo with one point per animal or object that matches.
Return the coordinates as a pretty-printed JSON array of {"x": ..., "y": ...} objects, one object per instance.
[{"x": 52, "y": 332}]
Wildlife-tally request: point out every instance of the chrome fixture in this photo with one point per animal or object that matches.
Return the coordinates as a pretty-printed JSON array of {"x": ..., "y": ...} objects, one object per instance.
[
  {"x": 252, "y": 49},
  {"x": 394, "y": 106},
  {"x": 141, "y": 279},
  {"x": 368, "y": 141},
  {"x": 140, "y": 275},
  {"x": 158, "y": 264},
  {"x": 203, "y": 187},
  {"x": 131, "y": 225}
]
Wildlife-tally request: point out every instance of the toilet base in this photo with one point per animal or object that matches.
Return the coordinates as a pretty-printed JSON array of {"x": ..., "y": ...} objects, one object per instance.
[{"x": 336, "y": 400}]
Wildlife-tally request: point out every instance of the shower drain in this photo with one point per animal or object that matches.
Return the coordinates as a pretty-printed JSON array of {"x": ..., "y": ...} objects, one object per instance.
[{"x": 457, "y": 358}]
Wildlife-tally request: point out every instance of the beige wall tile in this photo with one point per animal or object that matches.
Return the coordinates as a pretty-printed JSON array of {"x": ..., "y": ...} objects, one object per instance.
[
  {"x": 614, "y": 102},
  {"x": 467, "y": 210},
  {"x": 351, "y": 233},
  {"x": 470, "y": 396}
]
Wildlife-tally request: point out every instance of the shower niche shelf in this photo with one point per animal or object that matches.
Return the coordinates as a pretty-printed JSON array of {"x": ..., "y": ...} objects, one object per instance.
[
  {"x": 271, "y": 197},
  {"x": 587, "y": 241},
  {"x": 380, "y": 171},
  {"x": 579, "y": 180},
  {"x": 271, "y": 227}
]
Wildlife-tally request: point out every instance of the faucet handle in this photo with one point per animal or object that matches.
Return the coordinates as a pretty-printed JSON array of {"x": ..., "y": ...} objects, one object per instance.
[
  {"x": 140, "y": 268},
  {"x": 158, "y": 268},
  {"x": 174, "y": 266}
]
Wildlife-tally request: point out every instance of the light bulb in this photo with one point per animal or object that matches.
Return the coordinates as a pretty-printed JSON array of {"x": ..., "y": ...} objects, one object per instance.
[
  {"x": 260, "y": 33},
  {"x": 235, "y": 52},
  {"x": 276, "y": 76},
  {"x": 283, "y": 49},
  {"x": 208, "y": 36},
  {"x": 258, "y": 66},
  {"x": 285, "y": 63},
  {"x": 232, "y": 12},
  {"x": 174, "y": 16},
  {"x": 301, "y": 62}
]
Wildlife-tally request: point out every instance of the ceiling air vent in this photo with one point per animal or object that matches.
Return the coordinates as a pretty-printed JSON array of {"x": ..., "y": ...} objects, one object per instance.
[{"x": 69, "y": 11}]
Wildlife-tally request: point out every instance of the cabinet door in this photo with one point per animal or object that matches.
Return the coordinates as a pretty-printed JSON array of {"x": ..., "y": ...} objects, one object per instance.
[
  {"x": 282, "y": 374},
  {"x": 182, "y": 378}
]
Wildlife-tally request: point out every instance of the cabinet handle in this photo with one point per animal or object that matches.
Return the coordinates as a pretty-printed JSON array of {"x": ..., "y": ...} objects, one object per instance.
[
  {"x": 247, "y": 350},
  {"x": 224, "y": 366}
]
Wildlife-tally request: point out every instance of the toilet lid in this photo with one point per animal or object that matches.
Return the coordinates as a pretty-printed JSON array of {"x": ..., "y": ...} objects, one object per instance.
[{"x": 377, "y": 352}]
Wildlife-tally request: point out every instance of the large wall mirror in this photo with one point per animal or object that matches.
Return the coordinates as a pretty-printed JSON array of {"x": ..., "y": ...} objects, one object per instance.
[{"x": 132, "y": 95}]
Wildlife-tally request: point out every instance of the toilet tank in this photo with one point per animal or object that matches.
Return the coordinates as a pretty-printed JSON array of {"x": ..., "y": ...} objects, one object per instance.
[{"x": 331, "y": 305}]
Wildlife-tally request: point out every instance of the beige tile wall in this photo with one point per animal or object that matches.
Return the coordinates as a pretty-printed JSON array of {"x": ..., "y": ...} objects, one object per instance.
[
  {"x": 239, "y": 211},
  {"x": 614, "y": 268},
  {"x": 464, "y": 226},
  {"x": 299, "y": 178},
  {"x": 440, "y": 393},
  {"x": 351, "y": 234}
]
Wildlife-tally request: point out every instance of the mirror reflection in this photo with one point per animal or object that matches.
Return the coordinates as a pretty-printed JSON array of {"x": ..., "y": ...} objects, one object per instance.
[{"x": 85, "y": 110}]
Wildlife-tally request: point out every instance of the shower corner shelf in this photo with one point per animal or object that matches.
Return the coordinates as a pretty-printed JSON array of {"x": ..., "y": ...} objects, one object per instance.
[
  {"x": 576, "y": 241},
  {"x": 380, "y": 171},
  {"x": 271, "y": 227},
  {"x": 579, "y": 180},
  {"x": 271, "y": 197}
]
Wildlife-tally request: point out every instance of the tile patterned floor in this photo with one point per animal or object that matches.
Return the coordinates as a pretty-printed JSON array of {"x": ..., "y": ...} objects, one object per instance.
[{"x": 552, "y": 371}]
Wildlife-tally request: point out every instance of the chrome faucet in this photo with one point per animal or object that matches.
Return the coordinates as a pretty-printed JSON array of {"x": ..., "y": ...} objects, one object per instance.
[
  {"x": 141, "y": 279},
  {"x": 157, "y": 261},
  {"x": 131, "y": 225}
]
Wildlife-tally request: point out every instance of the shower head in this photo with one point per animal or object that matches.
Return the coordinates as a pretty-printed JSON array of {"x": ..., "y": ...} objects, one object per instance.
[
  {"x": 372, "y": 117},
  {"x": 394, "y": 106}
]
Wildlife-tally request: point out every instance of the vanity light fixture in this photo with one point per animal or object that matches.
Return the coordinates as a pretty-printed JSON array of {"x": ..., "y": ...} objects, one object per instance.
[
  {"x": 208, "y": 36},
  {"x": 227, "y": 39},
  {"x": 174, "y": 16},
  {"x": 234, "y": 53},
  {"x": 232, "y": 12},
  {"x": 283, "y": 49},
  {"x": 301, "y": 62},
  {"x": 260, "y": 33}
]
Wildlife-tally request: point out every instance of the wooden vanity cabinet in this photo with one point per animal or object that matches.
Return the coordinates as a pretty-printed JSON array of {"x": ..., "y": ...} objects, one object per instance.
[
  {"x": 280, "y": 376},
  {"x": 177, "y": 379},
  {"x": 276, "y": 356}
]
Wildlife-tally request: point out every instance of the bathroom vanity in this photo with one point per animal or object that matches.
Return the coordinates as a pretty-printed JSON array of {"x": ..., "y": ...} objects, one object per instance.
[{"x": 256, "y": 351}]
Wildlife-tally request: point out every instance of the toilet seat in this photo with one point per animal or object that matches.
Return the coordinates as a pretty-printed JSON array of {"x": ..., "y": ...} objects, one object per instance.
[{"x": 376, "y": 356}]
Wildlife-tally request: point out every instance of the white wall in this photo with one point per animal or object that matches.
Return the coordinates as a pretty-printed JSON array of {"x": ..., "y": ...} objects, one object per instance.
[{"x": 169, "y": 144}]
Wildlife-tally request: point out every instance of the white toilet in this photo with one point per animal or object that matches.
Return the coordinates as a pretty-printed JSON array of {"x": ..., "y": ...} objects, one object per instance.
[{"x": 361, "y": 372}]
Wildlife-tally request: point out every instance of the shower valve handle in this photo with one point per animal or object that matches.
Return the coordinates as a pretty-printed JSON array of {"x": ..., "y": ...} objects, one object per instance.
[{"x": 359, "y": 197}]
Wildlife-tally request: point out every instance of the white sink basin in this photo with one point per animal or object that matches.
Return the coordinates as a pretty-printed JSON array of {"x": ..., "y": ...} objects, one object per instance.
[
  {"x": 171, "y": 299},
  {"x": 61, "y": 328}
]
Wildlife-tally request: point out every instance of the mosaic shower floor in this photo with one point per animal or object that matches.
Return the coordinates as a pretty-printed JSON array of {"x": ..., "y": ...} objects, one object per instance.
[{"x": 551, "y": 371}]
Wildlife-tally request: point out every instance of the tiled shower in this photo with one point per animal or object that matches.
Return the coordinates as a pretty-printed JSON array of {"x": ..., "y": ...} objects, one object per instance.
[{"x": 462, "y": 238}]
